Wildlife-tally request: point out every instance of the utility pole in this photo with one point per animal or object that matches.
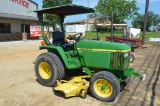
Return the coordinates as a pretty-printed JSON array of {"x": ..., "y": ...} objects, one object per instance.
[
  {"x": 112, "y": 27},
  {"x": 145, "y": 22},
  {"x": 87, "y": 14}
]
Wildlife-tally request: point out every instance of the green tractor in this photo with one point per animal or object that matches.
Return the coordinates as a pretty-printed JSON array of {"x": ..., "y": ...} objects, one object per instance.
[{"x": 100, "y": 66}]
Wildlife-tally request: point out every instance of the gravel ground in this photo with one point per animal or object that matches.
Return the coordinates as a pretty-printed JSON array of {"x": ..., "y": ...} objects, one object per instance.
[{"x": 18, "y": 85}]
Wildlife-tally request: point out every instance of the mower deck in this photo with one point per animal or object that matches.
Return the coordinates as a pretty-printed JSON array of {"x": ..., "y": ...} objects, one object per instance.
[{"x": 76, "y": 86}]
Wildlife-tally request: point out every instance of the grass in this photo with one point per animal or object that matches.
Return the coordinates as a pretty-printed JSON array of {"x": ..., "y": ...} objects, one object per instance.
[
  {"x": 102, "y": 35},
  {"x": 150, "y": 35}
]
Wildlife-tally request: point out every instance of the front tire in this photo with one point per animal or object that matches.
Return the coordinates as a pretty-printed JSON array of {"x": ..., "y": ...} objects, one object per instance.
[
  {"x": 131, "y": 58},
  {"x": 104, "y": 86},
  {"x": 48, "y": 69}
]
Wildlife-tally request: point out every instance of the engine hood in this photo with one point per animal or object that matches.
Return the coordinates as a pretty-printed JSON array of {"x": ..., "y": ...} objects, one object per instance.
[{"x": 102, "y": 46}]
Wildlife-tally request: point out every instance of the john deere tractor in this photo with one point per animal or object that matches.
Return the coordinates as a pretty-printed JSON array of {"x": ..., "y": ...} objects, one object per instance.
[{"x": 100, "y": 67}]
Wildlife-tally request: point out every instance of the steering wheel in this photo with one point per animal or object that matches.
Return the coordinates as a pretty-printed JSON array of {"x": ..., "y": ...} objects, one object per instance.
[{"x": 73, "y": 37}]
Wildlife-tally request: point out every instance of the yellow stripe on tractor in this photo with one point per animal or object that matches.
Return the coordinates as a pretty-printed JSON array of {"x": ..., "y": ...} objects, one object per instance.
[{"x": 103, "y": 50}]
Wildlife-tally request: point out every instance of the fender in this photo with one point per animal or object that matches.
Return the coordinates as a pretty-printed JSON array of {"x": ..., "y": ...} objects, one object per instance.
[
  {"x": 59, "y": 50},
  {"x": 70, "y": 63}
]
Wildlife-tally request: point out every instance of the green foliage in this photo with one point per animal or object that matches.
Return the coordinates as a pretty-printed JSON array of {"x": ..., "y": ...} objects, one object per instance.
[
  {"x": 156, "y": 20},
  {"x": 138, "y": 21},
  {"x": 52, "y": 3},
  {"x": 122, "y": 9},
  {"x": 152, "y": 20}
]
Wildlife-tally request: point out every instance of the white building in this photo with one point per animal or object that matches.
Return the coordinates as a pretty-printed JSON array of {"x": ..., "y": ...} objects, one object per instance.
[
  {"x": 90, "y": 24},
  {"x": 15, "y": 18}
]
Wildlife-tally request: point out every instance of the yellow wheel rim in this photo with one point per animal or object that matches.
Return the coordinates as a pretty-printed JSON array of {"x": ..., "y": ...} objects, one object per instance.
[
  {"x": 44, "y": 70},
  {"x": 103, "y": 88}
]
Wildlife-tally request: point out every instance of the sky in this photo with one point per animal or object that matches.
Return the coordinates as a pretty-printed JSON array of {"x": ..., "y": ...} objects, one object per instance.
[{"x": 154, "y": 6}]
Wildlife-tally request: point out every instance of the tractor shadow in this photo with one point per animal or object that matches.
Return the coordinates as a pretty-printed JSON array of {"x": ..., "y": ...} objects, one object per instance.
[{"x": 58, "y": 93}]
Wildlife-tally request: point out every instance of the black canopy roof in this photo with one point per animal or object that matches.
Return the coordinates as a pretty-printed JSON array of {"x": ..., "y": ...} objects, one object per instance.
[{"x": 70, "y": 9}]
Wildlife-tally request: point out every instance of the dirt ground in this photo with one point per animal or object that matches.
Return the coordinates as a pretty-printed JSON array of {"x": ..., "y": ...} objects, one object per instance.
[{"x": 18, "y": 85}]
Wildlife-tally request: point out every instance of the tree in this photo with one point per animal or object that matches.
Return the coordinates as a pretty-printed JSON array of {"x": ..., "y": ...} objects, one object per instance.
[
  {"x": 138, "y": 21},
  {"x": 156, "y": 20},
  {"x": 153, "y": 20},
  {"x": 122, "y": 9},
  {"x": 54, "y": 19}
]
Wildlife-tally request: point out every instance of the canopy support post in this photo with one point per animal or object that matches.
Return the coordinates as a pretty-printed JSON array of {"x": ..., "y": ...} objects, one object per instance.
[{"x": 40, "y": 17}]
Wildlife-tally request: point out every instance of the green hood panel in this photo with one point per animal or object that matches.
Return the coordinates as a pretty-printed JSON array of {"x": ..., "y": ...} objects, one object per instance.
[{"x": 103, "y": 46}]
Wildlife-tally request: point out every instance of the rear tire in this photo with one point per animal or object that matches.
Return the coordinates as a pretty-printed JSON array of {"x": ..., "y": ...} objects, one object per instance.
[
  {"x": 48, "y": 69},
  {"x": 104, "y": 86}
]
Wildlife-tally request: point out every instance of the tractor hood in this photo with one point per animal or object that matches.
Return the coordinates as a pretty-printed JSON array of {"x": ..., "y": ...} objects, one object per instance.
[{"x": 104, "y": 46}]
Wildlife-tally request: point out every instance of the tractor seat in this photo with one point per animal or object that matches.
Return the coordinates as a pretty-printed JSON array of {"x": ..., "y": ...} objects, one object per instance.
[{"x": 58, "y": 39}]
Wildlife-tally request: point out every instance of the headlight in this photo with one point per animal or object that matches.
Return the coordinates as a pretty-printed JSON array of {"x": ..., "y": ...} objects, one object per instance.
[{"x": 126, "y": 54}]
